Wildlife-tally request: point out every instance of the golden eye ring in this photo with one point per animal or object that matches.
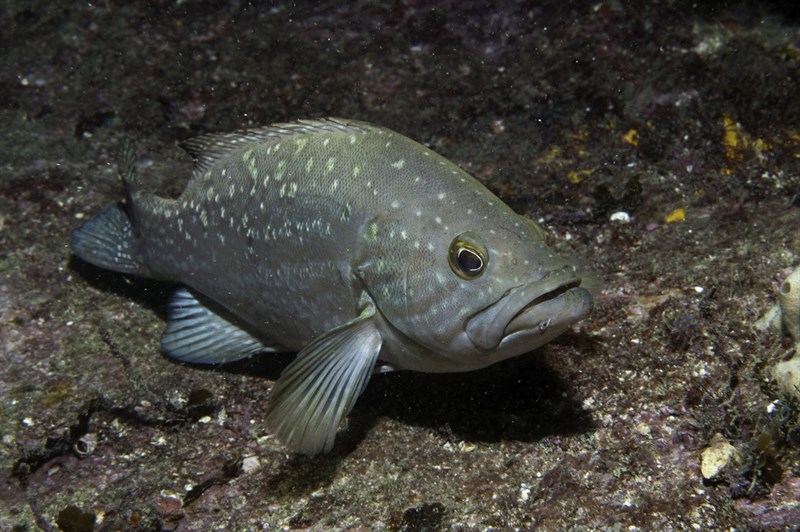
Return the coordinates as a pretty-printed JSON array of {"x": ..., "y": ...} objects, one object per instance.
[{"x": 467, "y": 256}]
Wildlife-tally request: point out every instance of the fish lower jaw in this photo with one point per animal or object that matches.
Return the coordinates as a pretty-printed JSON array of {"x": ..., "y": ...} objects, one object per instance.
[
  {"x": 557, "y": 309},
  {"x": 547, "y": 296}
]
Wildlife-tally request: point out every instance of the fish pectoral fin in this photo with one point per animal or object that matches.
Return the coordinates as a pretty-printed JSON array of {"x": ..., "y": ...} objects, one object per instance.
[
  {"x": 199, "y": 335},
  {"x": 321, "y": 385}
]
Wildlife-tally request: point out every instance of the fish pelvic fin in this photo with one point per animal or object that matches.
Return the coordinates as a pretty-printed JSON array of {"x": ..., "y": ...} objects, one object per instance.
[
  {"x": 321, "y": 385},
  {"x": 109, "y": 241},
  {"x": 197, "y": 334}
]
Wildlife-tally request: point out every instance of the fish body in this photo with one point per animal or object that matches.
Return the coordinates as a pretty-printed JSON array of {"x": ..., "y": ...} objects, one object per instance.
[{"x": 347, "y": 242}]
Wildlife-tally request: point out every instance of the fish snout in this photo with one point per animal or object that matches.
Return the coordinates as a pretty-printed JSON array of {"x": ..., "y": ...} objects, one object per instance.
[{"x": 530, "y": 315}]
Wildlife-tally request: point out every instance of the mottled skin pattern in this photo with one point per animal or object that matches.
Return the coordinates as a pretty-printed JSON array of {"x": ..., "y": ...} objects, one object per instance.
[{"x": 297, "y": 229}]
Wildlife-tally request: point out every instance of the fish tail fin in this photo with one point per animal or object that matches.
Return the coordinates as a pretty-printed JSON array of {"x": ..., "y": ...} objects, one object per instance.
[{"x": 109, "y": 241}]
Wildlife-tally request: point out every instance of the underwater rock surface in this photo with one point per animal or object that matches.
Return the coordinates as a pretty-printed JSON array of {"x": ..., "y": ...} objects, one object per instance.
[{"x": 685, "y": 119}]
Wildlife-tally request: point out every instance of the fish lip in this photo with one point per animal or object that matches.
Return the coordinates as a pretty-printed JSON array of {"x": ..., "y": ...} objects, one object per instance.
[
  {"x": 558, "y": 308},
  {"x": 554, "y": 301},
  {"x": 555, "y": 293}
]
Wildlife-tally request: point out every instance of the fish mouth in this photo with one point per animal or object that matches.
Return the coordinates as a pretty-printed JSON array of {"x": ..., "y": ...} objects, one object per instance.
[
  {"x": 553, "y": 294},
  {"x": 530, "y": 315}
]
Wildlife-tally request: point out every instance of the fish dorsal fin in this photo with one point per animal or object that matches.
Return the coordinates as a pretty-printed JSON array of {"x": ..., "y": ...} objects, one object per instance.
[
  {"x": 321, "y": 385},
  {"x": 199, "y": 335},
  {"x": 207, "y": 149}
]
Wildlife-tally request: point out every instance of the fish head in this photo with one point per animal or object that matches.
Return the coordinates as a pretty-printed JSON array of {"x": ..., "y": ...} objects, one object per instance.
[{"x": 473, "y": 293}]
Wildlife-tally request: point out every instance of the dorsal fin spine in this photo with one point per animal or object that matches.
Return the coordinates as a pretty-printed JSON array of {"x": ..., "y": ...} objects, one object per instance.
[{"x": 207, "y": 149}]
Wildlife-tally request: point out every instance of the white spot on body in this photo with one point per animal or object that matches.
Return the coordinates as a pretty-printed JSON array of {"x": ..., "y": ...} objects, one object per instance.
[
  {"x": 252, "y": 169},
  {"x": 309, "y": 164},
  {"x": 280, "y": 170},
  {"x": 441, "y": 195},
  {"x": 329, "y": 165},
  {"x": 398, "y": 164}
]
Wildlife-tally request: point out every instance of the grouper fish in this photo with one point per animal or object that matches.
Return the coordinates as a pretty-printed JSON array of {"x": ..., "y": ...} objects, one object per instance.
[{"x": 349, "y": 243}]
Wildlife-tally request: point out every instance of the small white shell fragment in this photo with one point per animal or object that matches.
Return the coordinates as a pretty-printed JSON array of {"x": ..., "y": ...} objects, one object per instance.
[
  {"x": 717, "y": 456},
  {"x": 251, "y": 464},
  {"x": 773, "y": 406},
  {"x": 85, "y": 445},
  {"x": 621, "y": 217}
]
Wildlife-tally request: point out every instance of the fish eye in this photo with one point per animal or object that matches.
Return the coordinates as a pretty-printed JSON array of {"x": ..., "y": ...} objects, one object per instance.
[{"x": 467, "y": 256}]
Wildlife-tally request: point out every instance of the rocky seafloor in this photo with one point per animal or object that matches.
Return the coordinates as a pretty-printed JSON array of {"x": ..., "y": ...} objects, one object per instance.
[{"x": 659, "y": 142}]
